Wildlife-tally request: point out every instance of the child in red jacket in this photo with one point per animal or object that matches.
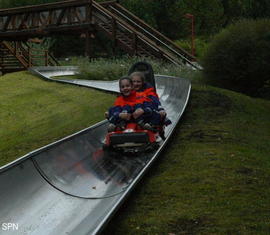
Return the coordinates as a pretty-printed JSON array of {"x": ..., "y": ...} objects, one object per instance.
[
  {"x": 158, "y": 116},
  {"x": 128, "y": 105}
]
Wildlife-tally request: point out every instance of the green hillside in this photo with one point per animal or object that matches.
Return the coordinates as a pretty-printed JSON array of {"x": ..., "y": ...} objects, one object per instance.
[
  {"x": 34, "y": 112},
  {"x": 213, "y": 177}
]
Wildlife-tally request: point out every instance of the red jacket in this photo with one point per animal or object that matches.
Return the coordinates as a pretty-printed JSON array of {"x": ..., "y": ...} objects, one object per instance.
[
  {"x": 133, "y": 99},
  {"x": 149, "y": 91}
]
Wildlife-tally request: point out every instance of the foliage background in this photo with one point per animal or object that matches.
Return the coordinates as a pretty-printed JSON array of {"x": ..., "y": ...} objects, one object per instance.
[
  {"x": 238, "y": 58},
  {"x": 167, "y": 16}
]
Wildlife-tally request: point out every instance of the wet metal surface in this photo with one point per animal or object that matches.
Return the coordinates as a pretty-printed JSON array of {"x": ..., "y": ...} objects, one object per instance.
[{"x": 71, "y": 186}]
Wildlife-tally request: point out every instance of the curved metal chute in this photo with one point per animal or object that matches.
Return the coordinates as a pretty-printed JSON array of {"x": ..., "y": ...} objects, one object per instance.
[{"x": 72, "y": 186}]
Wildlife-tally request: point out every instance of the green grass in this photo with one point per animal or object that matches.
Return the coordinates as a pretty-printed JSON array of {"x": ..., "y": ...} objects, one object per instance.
[
  {"x": 213, "y": 177},
  {"x": 34, "y": 112}
]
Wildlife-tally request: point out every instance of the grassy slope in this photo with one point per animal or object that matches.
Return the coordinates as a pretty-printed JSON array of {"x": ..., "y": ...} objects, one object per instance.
[
  {"x": 34, "y": 112},
  {"x": 213, "y": 178}
]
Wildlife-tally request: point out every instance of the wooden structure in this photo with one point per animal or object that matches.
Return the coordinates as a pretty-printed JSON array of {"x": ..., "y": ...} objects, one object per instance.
[
  {"x": 17, "y": 55},
  {"x": 124, "y": 29}
]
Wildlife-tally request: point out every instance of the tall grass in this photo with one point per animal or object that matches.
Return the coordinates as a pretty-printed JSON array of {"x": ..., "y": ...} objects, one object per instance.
[{"x": 114, "y": 68}]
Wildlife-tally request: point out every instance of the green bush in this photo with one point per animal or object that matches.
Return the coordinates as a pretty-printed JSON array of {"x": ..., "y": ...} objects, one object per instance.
[
  {"x": 114, "y": 68},
  {"x": 200, "y": 46},
  {"x": 238, "y": 58}
]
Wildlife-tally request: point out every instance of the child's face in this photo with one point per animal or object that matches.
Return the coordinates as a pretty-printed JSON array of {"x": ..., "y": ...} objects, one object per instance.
[
  {"x": 137, "y": 82},
  {"x": 125, "y": 87}
]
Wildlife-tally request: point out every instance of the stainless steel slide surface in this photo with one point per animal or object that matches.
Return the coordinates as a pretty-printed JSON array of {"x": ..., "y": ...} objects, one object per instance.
[{"x": 71, "y": 186}]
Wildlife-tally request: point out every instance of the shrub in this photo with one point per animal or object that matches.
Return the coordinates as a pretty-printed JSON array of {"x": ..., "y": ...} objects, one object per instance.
[
  {"x": 200, "y": 46},
  {"x": 238, "y": 58},
  {"x": 114, "y": 68}
]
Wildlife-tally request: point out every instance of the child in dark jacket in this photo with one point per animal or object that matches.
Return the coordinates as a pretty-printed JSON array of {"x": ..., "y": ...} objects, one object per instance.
[
  {"x": 127, "y": 105},
  {"x": 158, "y": 115}
]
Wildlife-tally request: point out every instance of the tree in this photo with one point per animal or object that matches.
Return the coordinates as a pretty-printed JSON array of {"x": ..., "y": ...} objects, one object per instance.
[
  {"x": 233, "y": 10},
  {"x": 167, "y": 16},
  {"x": 257, "y": 9},
  {"x": 238, "y": 58}
]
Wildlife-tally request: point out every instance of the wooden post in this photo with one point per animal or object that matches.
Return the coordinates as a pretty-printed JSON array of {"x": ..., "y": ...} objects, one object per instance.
[
  {"x": 46, "y": 57},
  {"x": 135, "y": 44},
  {"x": 1, "y": 57},
  {"x": 89, "y": 40},
  {"x": 88, "y": 15},
  {"x": 114, "y": 35},
  {"x": 29, "y": 57},
  {"x": 69, "y": 15},
  {"x": 191, "y": 17},
  {"x": 16, "y": 48}
]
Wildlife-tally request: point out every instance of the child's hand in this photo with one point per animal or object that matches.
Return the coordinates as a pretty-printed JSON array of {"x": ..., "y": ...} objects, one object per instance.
[
  {"x": 162, "y": 113},
  {"x": 125, "y": 116},
  {"x": 138, "y": 112},
  {"x": 106, "y": 114}
]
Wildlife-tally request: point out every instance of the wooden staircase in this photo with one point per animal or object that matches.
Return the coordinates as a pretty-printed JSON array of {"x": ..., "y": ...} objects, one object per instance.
[
  {"x": 149, "y": 41},
  {"x": 9, "y": 62},
  {"x": 121, "y": 33},
  {"x": 17, "y": 56},
  {"x": 124, "y": 29}
]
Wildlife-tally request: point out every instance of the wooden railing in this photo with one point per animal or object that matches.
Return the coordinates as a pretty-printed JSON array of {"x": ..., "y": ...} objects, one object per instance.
[
  {"x": 45, "y": 19},
  {"x": 137, "y": 39},
  {"x": 122, "y": 27},
  {"x": 147, "y": 30},
  {"x": 25, "y": 55}
]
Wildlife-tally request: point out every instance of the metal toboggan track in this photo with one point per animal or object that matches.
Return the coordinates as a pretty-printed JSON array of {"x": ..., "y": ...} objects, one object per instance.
[{"x": 71, "y": 186}]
